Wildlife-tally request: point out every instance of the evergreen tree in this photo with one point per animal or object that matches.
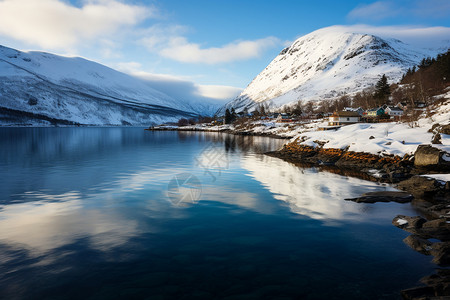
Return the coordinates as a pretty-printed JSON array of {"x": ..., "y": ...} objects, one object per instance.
[
  {"x": 233, "y": 115},
  {"x": 382, "y": 90},
  {"x": 228, "y": 117}
]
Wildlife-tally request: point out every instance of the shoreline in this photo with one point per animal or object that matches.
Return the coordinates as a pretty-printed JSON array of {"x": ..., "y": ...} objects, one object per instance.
[
  {"x": 430, "y": 235},
  {"x": 229, "y": 131}
]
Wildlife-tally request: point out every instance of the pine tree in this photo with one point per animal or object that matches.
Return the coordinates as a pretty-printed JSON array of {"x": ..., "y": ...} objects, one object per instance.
[
  {"x": 228, "y": 117},
  {"x": 233, "y": 115},
  {"x": 382, "y": 90}
]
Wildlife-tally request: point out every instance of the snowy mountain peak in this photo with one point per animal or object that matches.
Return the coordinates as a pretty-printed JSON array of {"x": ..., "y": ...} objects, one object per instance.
[{"x": 325, "y": 64}]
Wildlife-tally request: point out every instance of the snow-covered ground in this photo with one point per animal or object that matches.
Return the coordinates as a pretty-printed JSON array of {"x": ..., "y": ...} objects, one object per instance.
[
  {"x": 382, "y": 138},
  {"x": 439, "y": 177}
]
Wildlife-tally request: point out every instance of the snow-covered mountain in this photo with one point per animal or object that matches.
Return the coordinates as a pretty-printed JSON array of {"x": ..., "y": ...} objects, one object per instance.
[
  {"x": 38, "y": 88},
  {"x": 326, "y": 64}
]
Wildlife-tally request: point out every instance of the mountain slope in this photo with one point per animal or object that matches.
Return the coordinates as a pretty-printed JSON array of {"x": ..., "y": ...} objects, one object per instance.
[
  {"x": 325, "y": 64},
  {"x": 41, "y": 86}
]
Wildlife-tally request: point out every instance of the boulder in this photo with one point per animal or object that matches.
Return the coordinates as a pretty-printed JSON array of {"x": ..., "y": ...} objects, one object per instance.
[
  {"x": 373, "y": 197},
  {"x": 439, "y": 250},
  {"x": 421, "y": 187},
  {"x": 411, "y": 224},
  {"x": 436, "y": 139},
  {"x": 438, "y": 211},
  {"x": 418, "y": 244},
  {"x": 441, "y": 253},
  {"x": 445, "y": 129},
  {"x": 429, "y": 157},
  {"x": 436, "y": 229}
]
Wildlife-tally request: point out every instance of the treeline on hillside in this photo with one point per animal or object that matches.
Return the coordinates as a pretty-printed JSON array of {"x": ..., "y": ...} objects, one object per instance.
[{"x": 428, "y": 79}]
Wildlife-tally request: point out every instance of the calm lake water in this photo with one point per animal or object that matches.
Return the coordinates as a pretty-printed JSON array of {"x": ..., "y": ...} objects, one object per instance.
[{"x": 123, "y": 213}]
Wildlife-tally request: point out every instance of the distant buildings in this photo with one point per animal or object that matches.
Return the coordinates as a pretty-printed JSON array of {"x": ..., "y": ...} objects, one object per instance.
[
  {"x": 395, "y": 112},
  {"x": 359, "y": 110},
  {"x": 343, "y": 118},
  {"x": 375, "y": 112}
]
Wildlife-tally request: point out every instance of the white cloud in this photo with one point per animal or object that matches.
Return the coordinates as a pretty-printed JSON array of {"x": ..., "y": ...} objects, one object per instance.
[
  {"x": 221, "y": 92},
  {"x": 181, "y": 87},
  {"x": 170, "y": 42},
  {"x": 56, "y": 24},
  {"x": 425, "y": 37},
  {"x": 180, "y": 49},
  {"x": 375, "y": 11}
]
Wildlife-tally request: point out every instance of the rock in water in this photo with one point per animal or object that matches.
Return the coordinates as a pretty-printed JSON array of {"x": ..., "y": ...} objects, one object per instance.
[{"x": 373, "y": 197}]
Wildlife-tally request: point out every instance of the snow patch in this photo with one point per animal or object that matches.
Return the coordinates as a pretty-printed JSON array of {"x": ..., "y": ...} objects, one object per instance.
[{"x": 401, "y": 222}]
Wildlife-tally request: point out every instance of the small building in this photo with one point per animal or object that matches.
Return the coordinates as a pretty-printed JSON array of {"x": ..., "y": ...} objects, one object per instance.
[
  {"x": 284, "y": 118},
  {"x": 394, "y": 112},
  {"x": 343, "y": 118},
  {"x": 359, "y": 110},
  {"x": 375, "y": 112},
  {"x": 274, "y": 115}
]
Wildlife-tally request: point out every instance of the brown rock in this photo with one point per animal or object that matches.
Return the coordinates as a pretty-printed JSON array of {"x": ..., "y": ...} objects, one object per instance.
[
  {"x": 373, "y": 197},
  {"x": 419, "y": 244},
  {"x": 429, "y": 157},
  {"x": 438, "y": 229},
  {"x": 410, "y": 224},
  {"x": 441, "y": 253},
  {"x": 421, "y": 187},
  {"x": 445, "y": 129}
]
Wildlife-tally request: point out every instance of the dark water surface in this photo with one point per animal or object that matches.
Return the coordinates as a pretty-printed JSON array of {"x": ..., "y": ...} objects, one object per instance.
[{"x": 123, "y": 213}]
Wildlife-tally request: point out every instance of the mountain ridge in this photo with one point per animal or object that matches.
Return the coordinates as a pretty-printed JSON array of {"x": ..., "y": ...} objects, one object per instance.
[
  {"x": 79, "y": 91},
  {"x": 325, "y": 64}
]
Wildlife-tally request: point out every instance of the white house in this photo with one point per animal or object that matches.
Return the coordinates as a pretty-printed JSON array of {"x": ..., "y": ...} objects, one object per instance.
[
  {"x": 393, "y": 111},
  {"x": 343, "y": 118}
]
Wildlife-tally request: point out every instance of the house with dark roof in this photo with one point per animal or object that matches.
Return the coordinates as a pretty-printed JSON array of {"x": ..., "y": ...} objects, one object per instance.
[
  {"x": 375, "y": 112},
  {"x": 343, "y": 118},
  {"x": 394, "y": 112},
  {"x": 359, "y": 110}
]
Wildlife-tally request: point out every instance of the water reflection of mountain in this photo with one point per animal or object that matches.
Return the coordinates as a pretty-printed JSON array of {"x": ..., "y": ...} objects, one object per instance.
[
  {"x": 313, "y": 193},
  {"x": 234, "y": 143}
]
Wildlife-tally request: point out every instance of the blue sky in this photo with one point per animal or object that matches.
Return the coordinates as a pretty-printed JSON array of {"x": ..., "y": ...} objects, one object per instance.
[{"x": 200, "y": 48}]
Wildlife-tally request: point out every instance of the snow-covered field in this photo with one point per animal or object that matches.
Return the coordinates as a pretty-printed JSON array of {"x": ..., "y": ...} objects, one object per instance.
[{"x": 383, "y": 138}]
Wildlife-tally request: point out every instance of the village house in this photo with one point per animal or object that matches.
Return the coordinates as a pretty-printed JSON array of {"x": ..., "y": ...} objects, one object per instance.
[
  {"x": 343, "y": 118},
  {"x": 375, "y": 112},
  {"x": 359, "y": 110},
  {"x": 284, "y": 118},
  {"x": 395, "y": 112}
]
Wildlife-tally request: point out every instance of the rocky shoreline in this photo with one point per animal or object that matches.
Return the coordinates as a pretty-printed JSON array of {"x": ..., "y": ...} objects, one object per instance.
[
  {"x": 430, "y": 235},
  {"x": 230, "y": 131}
]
